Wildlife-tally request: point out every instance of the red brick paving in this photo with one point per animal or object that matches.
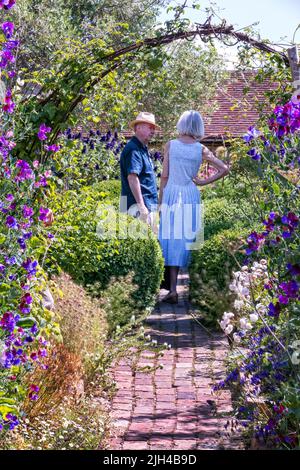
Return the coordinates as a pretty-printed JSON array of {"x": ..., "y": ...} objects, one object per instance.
[{"x": 168, "y": 409}]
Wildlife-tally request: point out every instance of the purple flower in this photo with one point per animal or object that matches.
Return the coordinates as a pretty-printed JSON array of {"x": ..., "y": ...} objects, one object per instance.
[
  {"x": 43, "y": 213},
  {"x": 274, "y": 310},
  {"x": 11, "y": 222},
  {"x": 7, "y": 4},
  {"x": 43, "y": 131},
  {"x": 10, "y": 261},
  {"x": 30, "y": 266},
  {"x": 22, "y": 243},
  {"x": 255, "y": 241},
  {"x": 8, "y": 321},
  {"x": 27, "y": 211},
  {"x": 25, "y": 172},
  {"x": 283, "y": 299},
  {"x": 34, "y": 329},
  {"x": 27, "y": 235},
  {"x": 294, "y": 269},
  {"x": 254, "y": 154},
  {"x": 8, "y": 29},
  {"x": 252, "y": 133},
  {"x": 11, "y": 419},
  {"x": 290, "y": 289},
  {"x": 12, "y": 44},
  {"x": 10, "y": 197},
  {"x": 52, "y": 148}
]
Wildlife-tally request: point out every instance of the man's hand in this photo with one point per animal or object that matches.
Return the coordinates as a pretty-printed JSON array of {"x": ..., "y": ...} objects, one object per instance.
[
  {"x": 49, "y": 219},
  {"x": 143, "y": 213}
]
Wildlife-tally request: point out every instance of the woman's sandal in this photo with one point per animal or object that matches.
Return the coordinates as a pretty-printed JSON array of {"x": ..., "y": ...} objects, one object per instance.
[{"x": 171, "y": 298}]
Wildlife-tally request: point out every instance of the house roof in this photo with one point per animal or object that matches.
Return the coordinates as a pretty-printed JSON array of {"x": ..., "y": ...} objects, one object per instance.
[{"x": 235, "y": 111}]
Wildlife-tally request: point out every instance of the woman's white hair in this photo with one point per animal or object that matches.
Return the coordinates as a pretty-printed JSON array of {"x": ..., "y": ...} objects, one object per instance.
[{"x": 191, "y": 123}]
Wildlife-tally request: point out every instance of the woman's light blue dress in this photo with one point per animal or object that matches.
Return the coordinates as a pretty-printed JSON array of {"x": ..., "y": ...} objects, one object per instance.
[{"x": 180, "y": 218}]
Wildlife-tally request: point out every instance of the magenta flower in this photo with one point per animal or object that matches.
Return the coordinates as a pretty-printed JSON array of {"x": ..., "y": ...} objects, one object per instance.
[
  {"x": 8, "y": 321},
  {"x": 43, "y": 131},
  {"x": 8, "y": 106},
  {"x": 8, "y": 29},
  {"x": 52, "y": 148},
  {"x": 255, "y": 241},
  {"x": 25, "y": 171},
  {"x": 42, "y": 182},
  {"x": 43, "y": 213},
  {"x": 27, "y": 299},
  {"x": 6, "y": 57},
  {"x": 27, "y": 211},
  {"x": 7, "y": 4}
]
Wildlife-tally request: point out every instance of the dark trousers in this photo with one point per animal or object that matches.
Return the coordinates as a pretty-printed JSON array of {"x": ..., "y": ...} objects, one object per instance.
[{"x": 165, "y": 283}]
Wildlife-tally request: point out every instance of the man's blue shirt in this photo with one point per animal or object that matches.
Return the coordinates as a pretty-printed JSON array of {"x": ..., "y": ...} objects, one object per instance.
[{"x": 135, "y": 158}]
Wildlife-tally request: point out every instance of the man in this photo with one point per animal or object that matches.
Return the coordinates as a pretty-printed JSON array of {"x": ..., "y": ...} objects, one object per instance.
[{"x": 139, "y": 190}]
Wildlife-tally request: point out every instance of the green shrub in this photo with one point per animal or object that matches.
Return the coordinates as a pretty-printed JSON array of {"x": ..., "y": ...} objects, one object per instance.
[
  {"x": 221, "y": 214},
  {"x": 112, "y": 188},
  {"x": 210, "y": 272}
]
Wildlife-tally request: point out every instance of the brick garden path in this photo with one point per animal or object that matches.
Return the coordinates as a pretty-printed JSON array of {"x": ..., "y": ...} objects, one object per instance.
[{"x": 173, "y": 408}]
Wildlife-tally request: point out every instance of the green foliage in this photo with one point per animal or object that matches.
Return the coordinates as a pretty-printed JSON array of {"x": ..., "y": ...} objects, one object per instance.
[
  {"x": 111, "y": 188},
  {"x": 188, "y": 79},
  {"x": 223, "y": 213},
  {"x": 122, "y": 244},
  {"x": 211, "y": 270},
  {"x": 85, "y": 162}
]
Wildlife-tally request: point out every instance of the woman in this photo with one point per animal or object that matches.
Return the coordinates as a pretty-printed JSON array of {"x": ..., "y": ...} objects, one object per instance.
[{"x": 179, "y": 199}]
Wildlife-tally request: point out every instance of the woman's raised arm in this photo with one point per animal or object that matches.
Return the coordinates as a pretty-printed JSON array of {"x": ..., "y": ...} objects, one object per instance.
[
  {"x": 222, "y": 169},
  {"x": 165, "y": 173}
]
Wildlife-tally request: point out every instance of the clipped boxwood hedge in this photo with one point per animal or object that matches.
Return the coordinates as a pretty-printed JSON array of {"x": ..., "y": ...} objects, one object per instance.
[
  {"x": 112, "y": 188},
  {"x": 88, "y": 259},
  {"x": 211, "y": 270},
  {"x": 221, "y": 214}
]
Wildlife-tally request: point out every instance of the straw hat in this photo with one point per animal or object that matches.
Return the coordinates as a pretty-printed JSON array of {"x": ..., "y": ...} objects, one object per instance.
[{"x": 148, "y": 118}]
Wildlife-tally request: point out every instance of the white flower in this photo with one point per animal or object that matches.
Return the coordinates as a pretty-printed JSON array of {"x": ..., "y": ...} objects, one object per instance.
[
  {"x": 245, "y": 325},
  {"x": 223, "y": 324},
  {"x": 232, "y": 286},
  {"x": 228, "y": 329},
  {"x": 228, "y": 315},
  {"x": 236, "y": 338},
  {"x": 245, "y": 291},
  {"x": 296, "y": 357},
  {"x": 261, "y": 308},
  {"x": 245, "y": 268},
  {"x": 296, "y": 344},
  {"x": 253, "y": 317},
  {"x": 238, "y": 304}
]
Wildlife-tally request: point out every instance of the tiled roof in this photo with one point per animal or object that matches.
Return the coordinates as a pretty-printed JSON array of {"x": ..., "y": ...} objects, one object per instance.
[{"x": 236, "y": 111}]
